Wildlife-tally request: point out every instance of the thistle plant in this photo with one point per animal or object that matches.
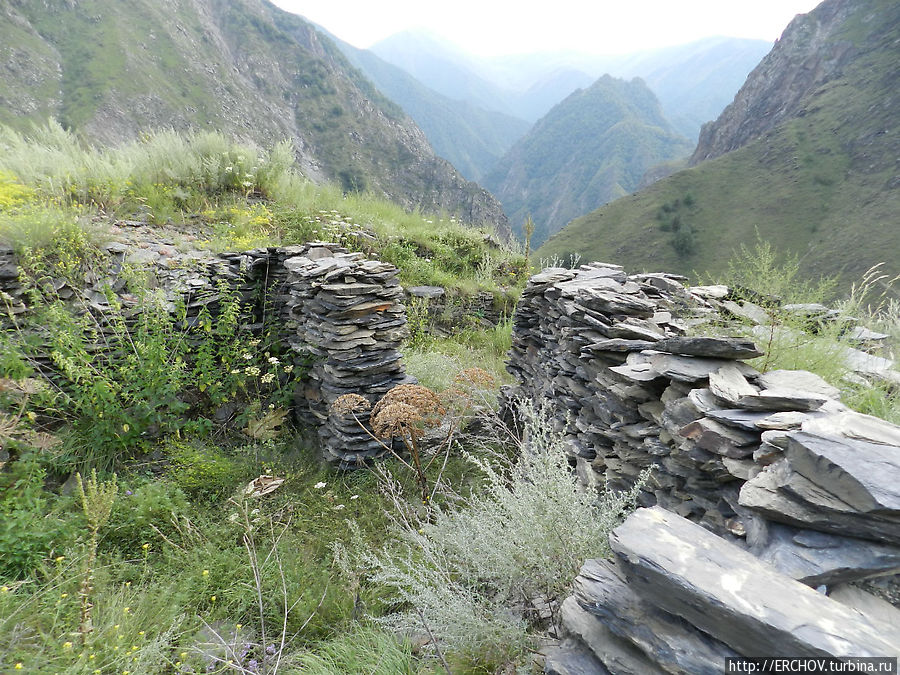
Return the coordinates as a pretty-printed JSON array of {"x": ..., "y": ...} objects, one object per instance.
[{"x": 97, "y": 500}]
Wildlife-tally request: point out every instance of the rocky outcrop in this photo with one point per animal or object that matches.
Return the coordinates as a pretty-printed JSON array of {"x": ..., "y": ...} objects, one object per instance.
[{"x": 812, "y": 51}]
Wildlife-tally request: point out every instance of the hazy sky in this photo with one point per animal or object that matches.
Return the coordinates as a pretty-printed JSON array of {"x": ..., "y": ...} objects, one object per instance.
[{"x": 491, "y": 27}]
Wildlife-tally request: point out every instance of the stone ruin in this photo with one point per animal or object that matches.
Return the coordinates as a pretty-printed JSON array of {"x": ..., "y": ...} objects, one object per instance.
[
  {"x": 772, "y": 519},
  {"x": 341, "y": 315}
]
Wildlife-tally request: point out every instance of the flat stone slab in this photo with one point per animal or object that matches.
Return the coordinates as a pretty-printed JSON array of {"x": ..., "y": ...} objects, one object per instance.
[
  {"x": 671, "y": 642},
  {"x": 717, "y": 292},
  {"x": 638, "y": 372},
  {"x": 782, "y": 400},
  {"x": 619, "y": 345},
  {"x": 782, "y": 495},
  {"x": 571, "y": 657},
  {"x": 741, "y": 419},
  {"x": 714, "y": 347},
  {"x": 802, "y": 380},
  {"x": 720, "y": 439},
  {"x": 747, "y": 310},
  {"x": 856, "y": 426},
  {"x": 611, "y": 302},
  {"x": 617, "y": 654},
  {"x": 729, "y": 594},
  {"x": 730, "y": 385},
  {"x": 865, "y": 363},
  {"x": 865, "y": 476},
  {"x": 866, "y": 604},
  {"x": 817, "y": 558},
  {"x": 692, "y": 368},
  {"x": 428, "y": 292},
  {"x": 551, "y": 275},
  {"x": 636, "y": 329}
]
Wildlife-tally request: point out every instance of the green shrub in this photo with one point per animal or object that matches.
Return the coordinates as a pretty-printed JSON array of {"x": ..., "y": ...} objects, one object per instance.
[
  {"x": 765, "y": 277},
  {"x": 28, "y": 529},
  {"x": 683, "y": 241},
  {"x": 204, "y": 471},
  {"x": 467, "y": 570},
  {"x": 144, "y": 511}
]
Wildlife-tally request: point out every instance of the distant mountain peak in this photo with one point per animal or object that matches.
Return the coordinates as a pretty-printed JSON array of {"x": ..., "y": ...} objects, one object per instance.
[
  {"x": 592, "y": 147},
  {"x": 810, "y": 53}
]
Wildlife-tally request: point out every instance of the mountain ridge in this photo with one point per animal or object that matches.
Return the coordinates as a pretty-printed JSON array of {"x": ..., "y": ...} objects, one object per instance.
[
  {"x": 820, "y": 183},
  {"x": 592, "y": 147},
  {"x": 112, "y": 70},
  {"x": 468, "y": 136}
]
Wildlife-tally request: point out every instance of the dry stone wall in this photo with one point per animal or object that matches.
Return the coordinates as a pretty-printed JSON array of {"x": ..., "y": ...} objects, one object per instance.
[
  {"x": 339, "y": 313},
  {"x": 763, "y": 486},
  {"x": 344, "y": 311}
]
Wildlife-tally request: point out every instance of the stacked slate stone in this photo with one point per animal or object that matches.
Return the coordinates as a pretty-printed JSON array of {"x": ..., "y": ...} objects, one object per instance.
[
  {"x": 609, "y": 354},
  {"x": 446, "y": 315},
  {"x": 794, "y": 490},
  {"x": 679, "y": 599},
  {"x": 12, "y": 301},
  {"x": 603, "y": 350},
  {"x": 185, "y": 284},
  {"x": 348, "y": 318}
]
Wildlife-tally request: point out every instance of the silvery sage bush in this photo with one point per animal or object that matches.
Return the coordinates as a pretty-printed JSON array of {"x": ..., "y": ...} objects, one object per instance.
[{"x": 474, "y": 573}]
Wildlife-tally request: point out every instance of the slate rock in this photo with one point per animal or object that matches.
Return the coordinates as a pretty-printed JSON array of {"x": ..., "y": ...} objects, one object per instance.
[
  {"x": 427, "y": 292},
  {"x": 617, "y": 654},
  {"x": 802, "y": 380},
  {"x": 865, "y": 476},
  {"x": 729, "y": 594},
  {"x": 691, "y": 369},
  {"x": 817, "y": 558},
  {"x": 618, "y": 345},
  {"x": 730, "y": 385},
  {"x": 720, "y": 439},
  {"x": 854, "y": 425},
  {"x": 710, "y": 347},
  {"x": 669, "y": 641},
  {"x": 716, "y": 292},
  {"x": 782, "y": 400},
  {"x": 571, "y": 657},
  {"x": 747, "y": 310},
  {"x": 782, "y": 495},
  {"x": 868, "y": 605}
]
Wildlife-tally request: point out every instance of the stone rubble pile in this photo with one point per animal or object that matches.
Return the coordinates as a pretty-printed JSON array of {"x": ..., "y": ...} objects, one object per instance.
[
  {"x": 772, "y": 462},
  {"x": 344, "y": 312},
  {"x": 340, "y": 313}
]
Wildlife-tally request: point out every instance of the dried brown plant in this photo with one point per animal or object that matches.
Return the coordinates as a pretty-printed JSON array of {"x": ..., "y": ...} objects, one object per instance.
[
  {"x": 397, "y": 419},
  {"x": 421, "y": 398},
  {"x": 476, "y": 378},
  {"x": 350, "y": 403}
]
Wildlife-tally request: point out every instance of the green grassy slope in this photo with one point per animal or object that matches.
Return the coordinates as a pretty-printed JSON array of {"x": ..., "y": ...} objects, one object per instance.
[
  {"x": 821, "y": 185},
  {"x": 113, "y": 71}
]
